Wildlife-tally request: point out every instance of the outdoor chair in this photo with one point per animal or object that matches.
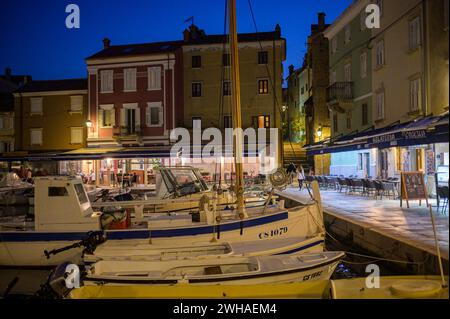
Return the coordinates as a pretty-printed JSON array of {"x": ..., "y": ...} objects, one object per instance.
[
  {"x": 442, "y": 192},
  {"x": 389, "y": 189},
  {"x": 358, "y": 186},
  {"x": 379, "y": 189},
  {"x": 342, "y": 184},
  {"x": 348, "y": 181}
]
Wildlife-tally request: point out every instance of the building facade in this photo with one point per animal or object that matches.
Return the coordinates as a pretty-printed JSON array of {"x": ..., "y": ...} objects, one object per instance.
[
  {"x": 133, "y": 96},
  {"x": 9, "y": 83},
  {"x": 50, "y": 117},
  {"x": 299, "y": 91},
  {"x": 349, "y": 95},
  {"x": 410, "y": 79},
  {"x": 318, "y": 125}
]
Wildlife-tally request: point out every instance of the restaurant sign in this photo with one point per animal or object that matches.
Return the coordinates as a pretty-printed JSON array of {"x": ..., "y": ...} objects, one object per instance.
[{"x": 405, "y": 135}]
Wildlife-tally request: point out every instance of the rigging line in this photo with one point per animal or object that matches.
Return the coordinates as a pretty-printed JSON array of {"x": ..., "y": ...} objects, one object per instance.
[
  {"x": 221, "y": 97},
  {"x": 269, "y": 75}
]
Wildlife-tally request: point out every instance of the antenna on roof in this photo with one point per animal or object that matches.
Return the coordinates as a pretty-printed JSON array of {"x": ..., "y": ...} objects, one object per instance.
[{"x": 191, "y": 19}]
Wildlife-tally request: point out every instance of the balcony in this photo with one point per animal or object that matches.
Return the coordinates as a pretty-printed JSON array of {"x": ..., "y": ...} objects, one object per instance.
[
  {"x": 127, "y": 134},
  {"x": 340, "y": 96}
]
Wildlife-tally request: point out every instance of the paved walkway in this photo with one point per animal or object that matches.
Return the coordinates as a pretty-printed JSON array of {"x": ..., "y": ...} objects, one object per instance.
[{"x": 412, "y": 226}]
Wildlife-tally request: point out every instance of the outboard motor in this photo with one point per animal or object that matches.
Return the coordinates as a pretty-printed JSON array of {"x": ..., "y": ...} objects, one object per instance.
[{"x": 56, "y": 286}]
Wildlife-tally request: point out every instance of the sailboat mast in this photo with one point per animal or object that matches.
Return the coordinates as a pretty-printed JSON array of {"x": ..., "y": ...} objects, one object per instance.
[{"x": 236, "y": 109}]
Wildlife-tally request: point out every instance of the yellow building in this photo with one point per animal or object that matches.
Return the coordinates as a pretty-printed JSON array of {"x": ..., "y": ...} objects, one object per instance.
[
  {"x": 50, "y": 116},
  {"x": 410, "y": 77},
  {"x": 207, "y": 79}
]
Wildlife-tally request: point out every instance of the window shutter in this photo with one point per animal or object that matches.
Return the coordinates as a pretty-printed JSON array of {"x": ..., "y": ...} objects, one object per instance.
[
  {"x": 113, "y": 116},
  {"x": 122, "y": 116},
  {"x": 161, "y": 116},
  {"x": 147, "y": 116}
]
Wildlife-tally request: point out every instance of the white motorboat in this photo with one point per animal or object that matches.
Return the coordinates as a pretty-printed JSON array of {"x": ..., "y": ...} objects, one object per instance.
[
  {"x": 64, "y": 216},
  {"x": 120, "y": 250},
  {"x": 171, "y": 183},
  {"x": 14, "y": 191},
  {"x": 214, "y": 271}
]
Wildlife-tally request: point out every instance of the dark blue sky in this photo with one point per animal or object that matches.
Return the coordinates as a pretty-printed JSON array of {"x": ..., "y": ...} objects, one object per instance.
[{"x": 35, "y": 41}]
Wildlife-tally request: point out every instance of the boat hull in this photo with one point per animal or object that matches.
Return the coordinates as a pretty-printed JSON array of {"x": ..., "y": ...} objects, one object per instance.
[{"x": 26, "y": 248}]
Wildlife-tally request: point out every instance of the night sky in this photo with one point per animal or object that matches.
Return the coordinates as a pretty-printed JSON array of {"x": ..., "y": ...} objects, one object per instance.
[{"x": 34, "y": 39}]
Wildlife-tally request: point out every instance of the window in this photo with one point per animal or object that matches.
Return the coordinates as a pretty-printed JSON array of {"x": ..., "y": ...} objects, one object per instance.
[
  {"x": 380, "y": 53},
  {"x": 81, "y": 193},
  {"x": 263, "y": 57},
  {"x": 57, "y": 192},
  {"x": 415, "y": 95},
  {"x": 414, "y": 33},
  {"x": 363, "y": 65},
  {"x": 334, "y": 45},
  {"x": 348, "y": 34},
  {"x": 262, "y": 121},
  {"x": 154, "y": 114},
  {"x": 76, "y": 103},
  {"x": 362, "y": 20},
  {"x": 380, "y": 105},
  {"x": 107, "y": 116},
  {"x": 226, "y": 59},
  {"x": 154, "y": 78},
  {"x": 227, "y": 122},
  {"x": 36, "y": 106},
  {"x": 333, "y": 77},
  {"x": 76, "y": 135},
  {"x": 335, "y": 123},
  {"x": 365, "y": 114},
  {"x": 226, "y": 88},
  {"x": 36, "y": 136},
  {"x": 303, "y": 90},
  {"x": 129, "y": 78},
  {"x": 349, "y": 120},
  {"x": 348, "y": 72},
  {"x": 106, "y": 81},
  {"x": 360, "y": 162},
  {"x": 196, "y": 89},
  {"x": 197, "y": 122},
  {"x": 196, "y": 61},
  {"x": 263, "y": 86},
  {"x": 6, "y": 122}
]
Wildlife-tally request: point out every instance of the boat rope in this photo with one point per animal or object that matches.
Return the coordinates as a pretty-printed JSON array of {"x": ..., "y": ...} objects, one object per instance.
[
  {"x": 269, "y": 75},
  {"x": 374, "y": 258}
]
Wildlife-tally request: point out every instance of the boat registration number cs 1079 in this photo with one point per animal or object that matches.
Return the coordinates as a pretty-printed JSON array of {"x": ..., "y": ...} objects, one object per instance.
[{"x": 273, "y": 233}]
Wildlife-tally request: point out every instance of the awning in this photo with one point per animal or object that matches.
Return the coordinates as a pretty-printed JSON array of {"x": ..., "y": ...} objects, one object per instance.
[{"x": 421, "y": 131}]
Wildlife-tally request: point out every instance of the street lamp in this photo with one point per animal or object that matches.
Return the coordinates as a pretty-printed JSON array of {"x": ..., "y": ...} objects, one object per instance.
[{"x": 88, "y": 123}]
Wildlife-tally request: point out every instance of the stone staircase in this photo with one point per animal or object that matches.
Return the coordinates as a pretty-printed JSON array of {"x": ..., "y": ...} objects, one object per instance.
[{"x": 297, "y": 155}]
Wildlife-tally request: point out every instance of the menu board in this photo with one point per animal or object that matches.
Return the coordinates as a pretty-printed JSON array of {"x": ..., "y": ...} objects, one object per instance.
[{"x": 413, "y": 187}]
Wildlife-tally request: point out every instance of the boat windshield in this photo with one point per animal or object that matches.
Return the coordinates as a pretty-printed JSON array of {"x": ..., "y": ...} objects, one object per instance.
[
  {"x": 186, "y": 180},
  {"x": 81, "y": 193}
]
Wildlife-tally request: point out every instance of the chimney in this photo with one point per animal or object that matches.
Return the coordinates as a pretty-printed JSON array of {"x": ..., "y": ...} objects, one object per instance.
[
  {"x": 278, "y": 30},
  {"x": 321, "y": 20},
  {"x": 291, "y": 69},
  {"x": 106, "y": 43},
  {"x": 186, "y": 35},
  {"x": 8, "y": 73}
]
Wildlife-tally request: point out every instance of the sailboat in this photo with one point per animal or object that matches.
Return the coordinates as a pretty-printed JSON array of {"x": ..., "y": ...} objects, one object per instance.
[{"x": 64, "y": 215}]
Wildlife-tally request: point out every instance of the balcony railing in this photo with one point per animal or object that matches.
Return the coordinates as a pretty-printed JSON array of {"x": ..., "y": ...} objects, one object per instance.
[
  {"x": 340, "y": 91},
  {"x": 124, "y": 131}
]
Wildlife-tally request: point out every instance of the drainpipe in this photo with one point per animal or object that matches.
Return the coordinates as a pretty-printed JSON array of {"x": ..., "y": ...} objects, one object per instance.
[{"x": 426, "y": 57}]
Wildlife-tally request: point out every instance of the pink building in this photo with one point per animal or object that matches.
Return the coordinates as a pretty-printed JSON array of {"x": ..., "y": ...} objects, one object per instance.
[{"x": 135, "y": 94}]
